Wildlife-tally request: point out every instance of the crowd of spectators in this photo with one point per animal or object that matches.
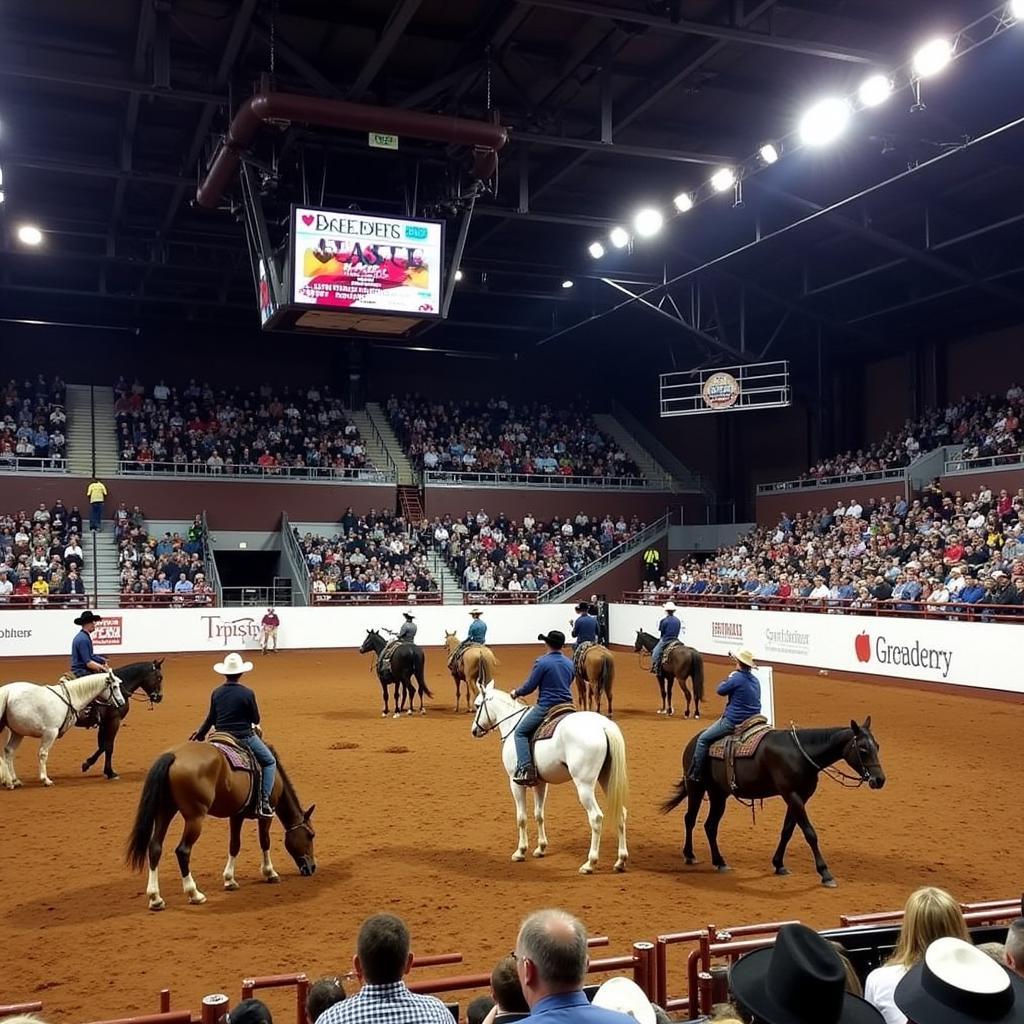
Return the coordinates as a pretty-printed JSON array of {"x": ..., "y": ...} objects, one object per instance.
[
  {"x": 163, "y": 572},
  {"x": 498, "y": 437},
  {"x": 277, "y": 431},
  {"x": 32, "y": 422},
  {"x": 988, "y": 426},
  {"x": 942, "y": 551},
  {"x": 41, "y": 558}
]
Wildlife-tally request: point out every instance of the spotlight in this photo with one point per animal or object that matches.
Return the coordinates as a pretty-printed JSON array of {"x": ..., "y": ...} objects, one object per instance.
[
  {"x": 567, "y": 283},
  {"x": 596, "y": 249},
  {"x": 875, "y": 90},
  {"x": 824, "y": 122},
  {"x": 931, "y": 58},
  {"x": 684, "y": 201},
  {"x": 723, "y": 179},
  {"x": 2, "y": 196},
  {"x": 458, "y": 275},
  {"x": 1017, "y": 9},
  {"x": 619, "y": 237},
  {"x": 648, "y": 222},
  {"x": 769, "y": 153},
  {"x": 29, "y": 234}
]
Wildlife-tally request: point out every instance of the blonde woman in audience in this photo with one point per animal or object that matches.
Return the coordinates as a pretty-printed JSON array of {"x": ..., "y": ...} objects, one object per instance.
[{"x": 929, "y": 914}]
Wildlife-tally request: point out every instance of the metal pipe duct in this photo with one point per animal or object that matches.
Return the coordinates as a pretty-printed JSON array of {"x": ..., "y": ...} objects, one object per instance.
[{"x": 486, "y": 139}]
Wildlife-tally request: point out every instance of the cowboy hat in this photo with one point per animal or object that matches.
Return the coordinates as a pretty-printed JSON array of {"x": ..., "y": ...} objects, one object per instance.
[
  {"x": 232, "y": 665},
  {"x": 799, "y": 980},
  {"x": 555, "y": 638},
  {"x": 475, "y": 611},
  {"x": 86, "y": 617},
  {"x": 624, "y": 995},
  {"x": 669, "y": 606},
  {"x": 744, "y": 657},
  {"x": 957, "y": 983},
  {"x": 409, "y": 615},
  {"x": 583, "y": 608}
]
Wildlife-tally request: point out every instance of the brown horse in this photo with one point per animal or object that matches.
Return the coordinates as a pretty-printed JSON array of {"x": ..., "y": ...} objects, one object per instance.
[
  {"x": 474, "y": 668},
  {"x": 195, "y": 780},
  {"x": 677, "y": 665},
  {"x": 596, "y": 677}
]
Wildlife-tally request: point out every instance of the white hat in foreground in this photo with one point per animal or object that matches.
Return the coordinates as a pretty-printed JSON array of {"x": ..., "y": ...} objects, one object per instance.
[
  {"x": 475, "y": 611},
  {"x": 624, "y": 995},
  {"x": 744, "y": 657},
  {"x": 669, "y": 606},
  {"x": 232, "y": 665}
]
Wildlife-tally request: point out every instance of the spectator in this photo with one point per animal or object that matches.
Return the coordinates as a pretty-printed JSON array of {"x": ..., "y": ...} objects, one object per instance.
[
  {"x": 249, "y": 1011},
  {"x": 96, "y": 493},
  {"x": 507, "y": 992},
  {"x": 322, "y": 995},
  {"x": 479, "y": 1009},
  {"x": 1014, "y": 947}
]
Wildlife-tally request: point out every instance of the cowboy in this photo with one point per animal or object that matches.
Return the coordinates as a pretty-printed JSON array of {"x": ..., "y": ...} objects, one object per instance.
[
  {"x": 233, "y": 709},
  {"x": 268, "y": 630},
  {"x": 407, "y": 631},
  {"x": 743, "y": 691},
  {"x": 584, "y": 629},
  {"x": 83, "y": 660},
  {"x": 552, "y": 675},
  {"x": 668, "y": 629},
  {"x": 477, "y": 633}
]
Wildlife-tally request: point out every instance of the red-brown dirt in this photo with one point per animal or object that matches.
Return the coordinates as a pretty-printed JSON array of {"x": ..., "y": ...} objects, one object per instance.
[{"x": 414, "y": 816}]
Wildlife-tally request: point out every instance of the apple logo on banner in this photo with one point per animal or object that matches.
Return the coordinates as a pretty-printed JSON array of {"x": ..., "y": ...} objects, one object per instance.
[{"x": 862, "y": 645}]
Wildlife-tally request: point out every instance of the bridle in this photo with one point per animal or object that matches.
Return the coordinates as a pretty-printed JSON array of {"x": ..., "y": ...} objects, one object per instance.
[
  {"x": 837, "y": 774},
  {"x": 477, "y": 724}
]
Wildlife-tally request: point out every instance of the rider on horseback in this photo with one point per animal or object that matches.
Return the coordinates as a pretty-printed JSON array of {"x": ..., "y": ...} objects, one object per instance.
[
  {"x": 476, "y": 634},
  {"x": 407, "y": 632},
  {"x": 83, "y": 660},
  {"x": 552, "y": 673},
  {"x": 744, "y": 700},
  {"x": 233, "y": 709},
  {"x": 668, "y": 629},
  {"x": 584, "y": 629}
]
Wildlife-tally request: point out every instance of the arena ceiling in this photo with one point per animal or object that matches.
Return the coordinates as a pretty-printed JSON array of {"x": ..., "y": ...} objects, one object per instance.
[{"x": 110, "y": 112}]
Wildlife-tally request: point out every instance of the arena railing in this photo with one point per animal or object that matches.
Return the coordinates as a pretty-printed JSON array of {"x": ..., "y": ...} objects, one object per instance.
[
  {"x": 953, "y": 611},
  {"x": 360, "y": 597},
  {"x": 29, "y": 464},
  {"x": 1012, "y": 460},
  {"x": 249, "y": 474},
  {"x": 552, "y": 481},
  {"x": 27, "y": 602},
  {"x": 500, "y": 597},
  {"x": 809, "y": 483}
]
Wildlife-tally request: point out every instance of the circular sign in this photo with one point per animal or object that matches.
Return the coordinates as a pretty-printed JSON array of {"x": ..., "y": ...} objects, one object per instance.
[{"x": 721, "y": 391}]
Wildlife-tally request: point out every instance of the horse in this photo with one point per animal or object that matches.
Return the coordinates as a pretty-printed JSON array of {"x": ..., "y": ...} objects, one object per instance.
[
  {"x": 595, "y": 676},
  {"x": 145, "y": 675},
  {"x": 476, "y": 666},
  {"x": 27, "y": 709},
  {"x": 586, "y": 748},
  {"x": 677, "y": 665},
  {"x": 786, "y": 764},
  {"x": 406, "y": 662},
  {"x": 195, "y": 780}
]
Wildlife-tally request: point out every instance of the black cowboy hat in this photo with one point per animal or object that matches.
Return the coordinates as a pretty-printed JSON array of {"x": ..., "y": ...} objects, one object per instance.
[
  {"x": 583, "y": 607},
  {"x": 86, "y": 617},
  {"x": 555, "y": 639},
  {"x": 799, "y": 980}
]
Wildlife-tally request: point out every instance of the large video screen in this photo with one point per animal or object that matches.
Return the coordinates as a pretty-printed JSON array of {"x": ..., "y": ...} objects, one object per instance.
[{"x": 347, "y": 260}]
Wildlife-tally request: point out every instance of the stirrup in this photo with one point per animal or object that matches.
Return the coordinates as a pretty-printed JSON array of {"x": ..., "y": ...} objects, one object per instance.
[{"x": 265, "y": 810}]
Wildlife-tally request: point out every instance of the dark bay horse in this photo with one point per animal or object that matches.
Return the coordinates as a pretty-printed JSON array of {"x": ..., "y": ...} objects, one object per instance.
[
  {"x": 786, "y": 764},
  {"x": 195, "y": 780},
  {"x": 406, "y": 664},
  {"x": 596, "y": 675},
  {"x": 140, "y": 675},
  {"x": 678, "y": 665}
]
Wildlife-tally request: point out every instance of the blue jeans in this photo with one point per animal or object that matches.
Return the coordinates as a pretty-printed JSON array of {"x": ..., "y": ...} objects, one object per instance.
[
  {"x": 656, "y": 655},
  {"x": 266, "y": 761},
  {"x": 723, "y": 727},
  {"x": 524, "y": 730},
  {"x": 96, "y": 515}
]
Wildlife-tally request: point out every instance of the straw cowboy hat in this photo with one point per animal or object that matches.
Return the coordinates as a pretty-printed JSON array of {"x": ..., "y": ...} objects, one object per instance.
[
  {"x": 744, "y": 657},
  {"x": 624, "y": 995},
  {"x": 232, "y": 665},
  {"x": 475, "y": 611},
  {"x": 669, "y": 606}
]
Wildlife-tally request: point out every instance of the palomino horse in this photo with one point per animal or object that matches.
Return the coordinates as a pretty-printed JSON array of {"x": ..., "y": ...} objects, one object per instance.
[
  {"x": 596, "y": 675},
  {"x": 786, "y": 764},
  {"x": 195, "y": 780},
  {"x": 140, "y": 675},
  {"x": 476, "y": 666},
  {"x": 47, "y": 712},
  {"x": 677, "y": 665},
  {"x": 406, "y": 662},
  {"x": 586, "y": 749}
]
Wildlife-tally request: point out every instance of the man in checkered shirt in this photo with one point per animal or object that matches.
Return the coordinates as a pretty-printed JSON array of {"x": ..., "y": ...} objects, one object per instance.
[{"x": 382, "y": 959}]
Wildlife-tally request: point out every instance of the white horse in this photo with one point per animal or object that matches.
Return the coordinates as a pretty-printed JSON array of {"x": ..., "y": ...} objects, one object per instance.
[
  {"x": 47, "y": 712},
  {"x": 585, "y": 749}
]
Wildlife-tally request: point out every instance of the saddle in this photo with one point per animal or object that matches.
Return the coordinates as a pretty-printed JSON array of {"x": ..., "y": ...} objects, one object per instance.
[
  {"x": 550, "y": 722},
  {"x": 456, "y": 656},
  {"x": 384, "y": 661},
  {"x": 665, "y": 651},
  {"x": 743, "y": 742},
  {"x": 580, "y": 655},
  {"x": 240, "y": 759}
]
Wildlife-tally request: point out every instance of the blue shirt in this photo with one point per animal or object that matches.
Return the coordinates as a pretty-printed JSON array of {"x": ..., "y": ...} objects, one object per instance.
[
  {"x": 477, "y": 631},
  {"x": 573, "y": 1007},
  {"x": 669, "y": 628},
  {"x": 585, "y": 629},
  {"x": 744, "y": 693},
  {"x": 553, "y": 673},
  {"x": 81, "y": 654},
  {"x": 972, "y": 593}
]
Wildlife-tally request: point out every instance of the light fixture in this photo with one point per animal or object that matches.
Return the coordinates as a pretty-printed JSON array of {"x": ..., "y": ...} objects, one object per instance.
[
  {"x": 619, "y": 237},
  {"x": 596, "y": 249},
  {"x": 567, "y": 283},
  {"x": 723, "y": 179},
  {"x": 2, "y": 196},
  {"x": 874, "y": 90},
  {"x": 29, "y": 234},
  {"x": 1017, "y": 9},
  {"x": 769, "y": 153},
  {"x": 458, "y": 275},
  {"x": 931, "y": 58},
  {"x": 824, "y": 122},
  {"x": 648, "y": 222},
  {"x": 683, "y": 202}
]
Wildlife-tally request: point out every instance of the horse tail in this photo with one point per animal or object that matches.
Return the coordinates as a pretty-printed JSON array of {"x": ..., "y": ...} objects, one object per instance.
[
  {"x": 607, "y": 674},
  {"x": 5, "y": 778},
  {"x": 617, "y": 786},
  {"x": 698, "y": 675},
  {"x": 156, "y": 794},
  {"x": 419, "y": 663},
  {"x": 677, "y": 797}
]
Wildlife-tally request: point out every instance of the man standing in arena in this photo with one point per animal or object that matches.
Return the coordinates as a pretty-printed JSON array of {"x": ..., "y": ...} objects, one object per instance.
[
  {"x": 651, "y": 559},
  {"x": 668, "y": 629},
  {"x": 83, "y": 660},
  {"x": 96, "y": 493},
  {"x": 268, "y": 630}
]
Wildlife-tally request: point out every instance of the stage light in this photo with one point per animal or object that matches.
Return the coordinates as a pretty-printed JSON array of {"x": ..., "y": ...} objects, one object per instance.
[
  {"x": 683, "y": 202},
  {"x": 458, "y": 275},
  {"x": 619, "y": 237},
  {"x": 648, "y": 222},
  {"x": 596, "y": 249},
  {"x": 1017, "y": 9},
  {"x": 824, "y": 122},
  {"x": 29, "y": 234},
  {"x": 2, "y": 196},
  {"x": 875, "y": 90},
  {"x": 723, "y": 179},
  {"x": 931, "y": 58},
  {"x": 567, "y": 283},
  {"x": 769, "y": 153}
]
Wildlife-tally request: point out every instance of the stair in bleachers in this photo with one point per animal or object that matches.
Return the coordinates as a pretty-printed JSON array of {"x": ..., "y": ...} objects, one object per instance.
[
  {"x": 409, "y": 503},
  {"x": 451, "y": 587},
  {"x": 80, "y": 433},
  {"x": 108, "y": 576},
  {"x": 379, "y": 419}
]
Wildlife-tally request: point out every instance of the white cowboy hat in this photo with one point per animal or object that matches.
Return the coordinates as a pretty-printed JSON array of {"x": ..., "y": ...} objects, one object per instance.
[
  {"x": 232, "y": 665},
  {"x": 475, "y": 611},
  {"x": 624, "y": 995},
  {"x": 669, "y": 606},
  {"x": 744, "y": 657}
]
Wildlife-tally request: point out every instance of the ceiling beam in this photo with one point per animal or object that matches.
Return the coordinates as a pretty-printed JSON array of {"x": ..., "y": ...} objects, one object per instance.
[
  {"x": 682, "y": 156},
  {"x": 320, "y": 84},
  {"x": 107, "y": 83},
  {"x": 392, "y": 32}
]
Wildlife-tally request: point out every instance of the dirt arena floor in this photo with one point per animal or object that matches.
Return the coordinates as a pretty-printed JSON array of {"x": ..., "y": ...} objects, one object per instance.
[{"x": 414, "y": 816}]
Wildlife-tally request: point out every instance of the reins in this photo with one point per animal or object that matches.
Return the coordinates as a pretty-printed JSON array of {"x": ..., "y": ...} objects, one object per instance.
[
  {"x": 520, "y": 710},
  {"x": 835, "y": 774}
]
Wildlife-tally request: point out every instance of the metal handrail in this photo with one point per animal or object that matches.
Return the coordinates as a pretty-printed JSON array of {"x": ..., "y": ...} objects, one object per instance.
[
  {"x": 809, "y": 483},
  {"x": 1008, "y": 461},
  {"x": 92, "y": 425},
  {"x": 34, "y": 464},
  {"x": 250, "y": 474},
  {"x": 380, "y": 440},
  {"x": 295, "y": 556},
  {"x": 665, "y": 459},
  {"x": 210, "y": 561},
  {"x": 406, "y": 597},
  {"x": 553, "y": 481},
  {"x": 104, "y": 599}
]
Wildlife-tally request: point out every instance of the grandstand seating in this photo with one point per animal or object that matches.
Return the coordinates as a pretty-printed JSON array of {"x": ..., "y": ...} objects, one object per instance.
[
  {"x": 162, "y": 572},
  {"x": 33, "y": 421},
  {"x": 41, "y": 557}
]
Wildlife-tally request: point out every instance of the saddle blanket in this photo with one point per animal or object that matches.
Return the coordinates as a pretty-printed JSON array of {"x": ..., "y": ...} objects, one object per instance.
[
  {"x": 746, "y": 738},
  {"x": 384, "y": 661},
  {"x": 547, "y": 727},
  {"x": 579, "y": 654},
  {"x": 238, "y": 758}
]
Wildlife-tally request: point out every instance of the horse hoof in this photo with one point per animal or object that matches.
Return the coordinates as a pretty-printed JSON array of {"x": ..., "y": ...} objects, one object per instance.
[
  {"x": 397, "y": 714},
  {"x": 518, "y": 856},
  {"x": 383, "y": 714},
  {"x": 231, "y": 886},
  {"x": 157, "y": 904},
  {"x": 86, "y": 766},
  {"x": 723, "y": 869},
  {"x": 539, "y": 852},
  {"x": 686, "y": 714},
  {"x": 690, "y": 861},
  {"x": 587, "y": 868},
  {"x": 46, "y": 782},
  {"x": 273, "y": 879},
  {"x": 423, "y": 711},
  {"x": 113, "y": 777},
  {"x": 696, "y": 716},
  {"x": 661, "y": 711},
  {"x": 197, "y": 898},
  {"x": 782, "y": 871},
  {"x": 620, "y": 866},
  {"x": 830, "y": 883}
]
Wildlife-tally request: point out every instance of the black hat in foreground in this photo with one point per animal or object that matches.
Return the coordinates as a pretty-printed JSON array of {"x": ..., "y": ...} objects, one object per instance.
[
  {"x": 555, "y": 639},
  {"x": 86, "y": 617}
]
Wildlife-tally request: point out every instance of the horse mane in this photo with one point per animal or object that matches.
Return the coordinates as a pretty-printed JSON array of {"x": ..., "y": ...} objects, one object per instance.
[
  {"x": 84, "y": 684},
  {"x": 820, "y": 735},
  {"x": 286, "y": 783}
]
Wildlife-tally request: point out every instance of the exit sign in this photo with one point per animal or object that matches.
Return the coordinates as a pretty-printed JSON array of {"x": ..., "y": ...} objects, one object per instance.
[{"x": 381, "y": 141}]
